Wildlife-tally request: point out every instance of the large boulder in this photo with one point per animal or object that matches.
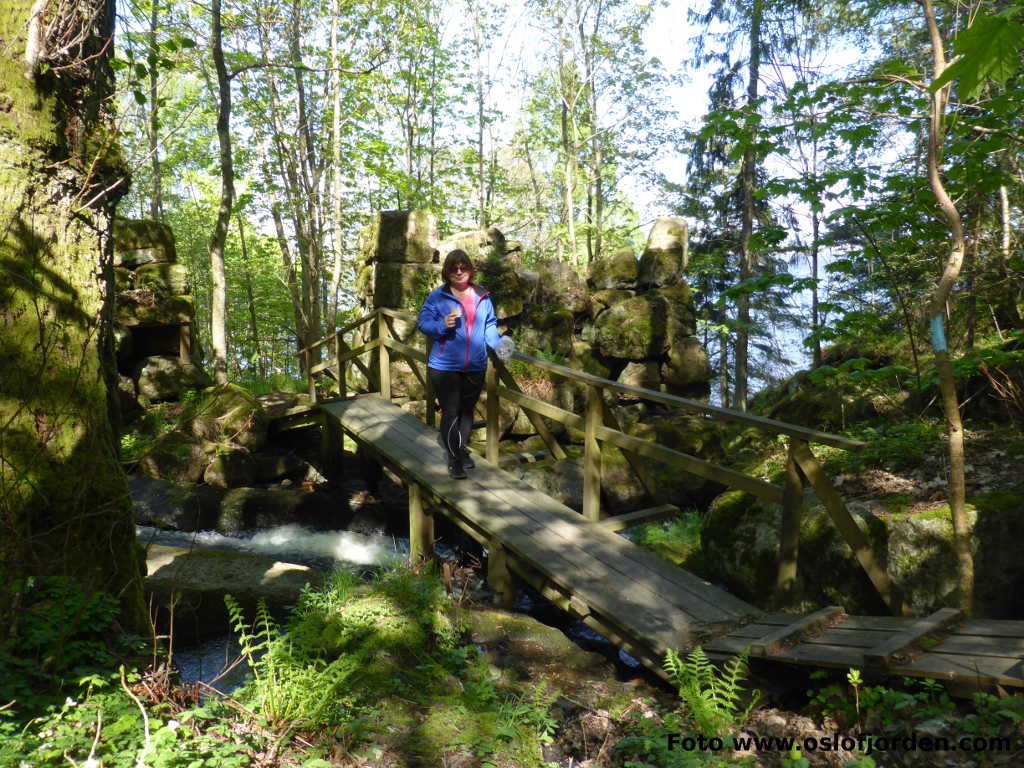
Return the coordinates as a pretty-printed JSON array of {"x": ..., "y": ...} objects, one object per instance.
[
  {"x": 547, "y": 331},
  {"x": 175, "y": 456},
  {"x": 509, "y": 292},
  {"x": 634, "y": 329},
  {"x": 163, "y": 377},
  {"x": 198, "y": 579},
  {"x": 681, "y": 432},
  {"x": 643, "y": 374},
  {"x": 740, "y": 539},
  {"x": 404, "y": 286},
  {"x": 679, "y": 302},
  {"x": 616, "y": 271},
  {"x": 562, "y": 481},
  {"x": 180, "y": 506},
  {"x": 559, "y": 286},
  {"x": 402, "y": 236},
  {"x": 163, "y": 279},
  {"x": 231, "y": 467},
  {"x": 479, "y": 244},
  {"x": 229, "y": 413},
  {"x": 687, "y": 370},
  {"x": 666, "y": 254},
  {"x": 249, "y": 508},
  {"x": 139, "y": 241},
  {"x": 604, "y": 300},
  {"x": 143, "y": 306}
]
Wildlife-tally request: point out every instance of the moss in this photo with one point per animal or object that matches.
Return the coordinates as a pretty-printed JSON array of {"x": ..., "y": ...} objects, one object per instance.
[{"x": 999, "y": 503}]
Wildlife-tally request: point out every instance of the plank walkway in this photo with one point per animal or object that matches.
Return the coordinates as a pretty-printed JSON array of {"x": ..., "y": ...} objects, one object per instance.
[
  {"x": 651, "y": 605},
  {"x": 648, "y": 606}
]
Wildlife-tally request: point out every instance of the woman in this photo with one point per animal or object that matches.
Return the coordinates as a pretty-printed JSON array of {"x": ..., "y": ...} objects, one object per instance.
[{"x": 459, "y": 317}]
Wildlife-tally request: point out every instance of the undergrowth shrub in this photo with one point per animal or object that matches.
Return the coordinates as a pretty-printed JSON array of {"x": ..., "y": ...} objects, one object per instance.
[{"x": 714, "y": 698}]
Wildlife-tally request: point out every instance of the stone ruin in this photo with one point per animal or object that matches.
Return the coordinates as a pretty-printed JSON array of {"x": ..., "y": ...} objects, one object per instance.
[
  {"x": 630, "y": 319},
  {"x": 154, "y": 317}
]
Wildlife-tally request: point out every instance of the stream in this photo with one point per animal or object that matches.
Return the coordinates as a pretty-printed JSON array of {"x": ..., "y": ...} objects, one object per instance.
[{"x": 362, "y": 553}]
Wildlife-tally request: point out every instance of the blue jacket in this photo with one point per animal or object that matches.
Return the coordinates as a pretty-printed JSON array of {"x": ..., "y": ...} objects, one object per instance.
[{"x": 452, "y": 350}]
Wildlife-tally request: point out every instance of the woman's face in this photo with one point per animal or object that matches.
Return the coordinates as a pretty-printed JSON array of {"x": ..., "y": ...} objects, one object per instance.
[{"x": 459, "y": 275}]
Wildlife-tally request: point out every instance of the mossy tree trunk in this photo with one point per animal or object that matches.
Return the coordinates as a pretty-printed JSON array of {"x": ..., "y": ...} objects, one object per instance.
[{"x": 64, "y": 505}]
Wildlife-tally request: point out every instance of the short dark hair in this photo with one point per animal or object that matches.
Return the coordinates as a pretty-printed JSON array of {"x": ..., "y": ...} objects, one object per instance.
[{"x": 456, "y": 258}]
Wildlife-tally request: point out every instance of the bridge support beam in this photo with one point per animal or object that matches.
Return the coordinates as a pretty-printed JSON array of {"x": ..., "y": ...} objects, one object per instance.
[
  {"x": 499, "y": 575},
  {"x": 332, "y": 448},
  {"x": 421, "y": 526}
]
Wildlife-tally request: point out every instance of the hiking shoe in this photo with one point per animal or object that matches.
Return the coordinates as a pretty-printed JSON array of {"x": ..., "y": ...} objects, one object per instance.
[
  {"x": 467, "y": 460},
  {"x": 456, "y": 470}
]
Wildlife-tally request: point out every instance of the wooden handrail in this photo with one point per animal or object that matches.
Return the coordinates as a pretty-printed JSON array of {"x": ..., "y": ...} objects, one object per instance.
[
  {"x": 769, "y": 425},
  {"x": 345, "y": 329},
  {"x": 727, "y": 414}
]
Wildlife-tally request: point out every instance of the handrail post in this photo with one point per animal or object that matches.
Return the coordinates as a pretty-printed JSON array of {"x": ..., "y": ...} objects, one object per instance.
[
  {"x": 428, "y": 389},
  {"x": 493, "y": 411},
  {"x": 339, "y": 367},
  {"x": 789, "y": 531},
  {"x": 310, "y": 377},
  {"x": 384, "y": 357},
  {"x": 592, "y": 454}
]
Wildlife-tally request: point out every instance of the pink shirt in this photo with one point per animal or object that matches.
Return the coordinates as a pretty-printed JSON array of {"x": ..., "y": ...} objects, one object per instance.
[{"x": 468, "y": 302}]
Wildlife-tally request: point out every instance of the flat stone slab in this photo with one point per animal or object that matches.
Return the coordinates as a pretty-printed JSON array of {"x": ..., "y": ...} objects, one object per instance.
[{"x": 201, "y": 578}]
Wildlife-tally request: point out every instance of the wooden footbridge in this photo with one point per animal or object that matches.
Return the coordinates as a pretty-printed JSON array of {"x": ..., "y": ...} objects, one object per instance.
[{"x": 638, "y": 601}]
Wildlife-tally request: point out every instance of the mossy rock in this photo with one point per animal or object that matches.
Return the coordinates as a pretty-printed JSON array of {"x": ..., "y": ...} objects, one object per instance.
[
  {"x": 740, "y": 543},
  {"x": 479, "y": 244},
  {"x": 560, "y": 287},
  {"x": 142, "y": 241},
  {"x": 245, "y": 509},
  {"x": 404, "y": 286},
  {"x": 124, "y": 279},
  {"x": 533, "y": 650},
  {"x": 634, "y": 329},
  {"x": 679, "y": 300},
  {"x": 583, "y": 359},
  {"x": 509, "y": 292},
  {"x": 163, "y": 377},
  {"x": 644, "y": 374},
  {"x": 231, "y": 467},
  {"x": 547, "y": 331},
  {"x": 616, "y": 271},
  {"x": 602, "y": 300},
  {"x": 180, "y": 506},
  {"x": 229, "y": 413},
  {"x": 175, "y": 456},
  {"x": 402, "y": 236},
  {"x": 143, "y": 306},
  {"x": 163, "y": 279},
  {"x": 687, "y": 365},
  {"x": 666, "y": 254}
]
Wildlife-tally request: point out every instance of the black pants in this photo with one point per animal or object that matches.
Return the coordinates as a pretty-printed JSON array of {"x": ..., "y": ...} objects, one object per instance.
[{"x": 457, "y": 392}]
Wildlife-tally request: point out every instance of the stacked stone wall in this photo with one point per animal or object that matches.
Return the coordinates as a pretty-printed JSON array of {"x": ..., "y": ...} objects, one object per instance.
[{"x": 154, "y": 315}]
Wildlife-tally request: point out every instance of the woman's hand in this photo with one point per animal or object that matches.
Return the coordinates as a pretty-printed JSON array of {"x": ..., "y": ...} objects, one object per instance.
[{"x": 452, "y": 317}]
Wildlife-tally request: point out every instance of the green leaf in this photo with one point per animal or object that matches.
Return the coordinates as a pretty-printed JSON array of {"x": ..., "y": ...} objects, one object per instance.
[
  {"x": 989, "y": 50},
  {"x": 140, "y": 97}
]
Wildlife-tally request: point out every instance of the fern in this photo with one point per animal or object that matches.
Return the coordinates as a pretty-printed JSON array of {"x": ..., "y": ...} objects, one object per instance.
[{"x": 714, "y": 698}]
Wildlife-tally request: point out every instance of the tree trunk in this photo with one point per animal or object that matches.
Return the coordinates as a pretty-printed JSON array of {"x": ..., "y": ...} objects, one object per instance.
[
  {"x": 156, "y": 206},
  {"x": 218, "y": 302},
  {"x": 747, "y": 178},
  {"x": 937, "y": 308},
  {"x": 332, "y": 317},
  {"x": 65, "y": 513}
]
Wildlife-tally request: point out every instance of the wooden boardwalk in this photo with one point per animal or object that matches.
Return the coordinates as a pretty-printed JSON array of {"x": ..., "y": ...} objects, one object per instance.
[
  {"x": 635, "y": 598},
  {"x": 640, "y": 602}
]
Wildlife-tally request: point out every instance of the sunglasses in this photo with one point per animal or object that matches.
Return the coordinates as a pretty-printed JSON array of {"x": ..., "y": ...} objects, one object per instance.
[{"x": 459, "y": 268}]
